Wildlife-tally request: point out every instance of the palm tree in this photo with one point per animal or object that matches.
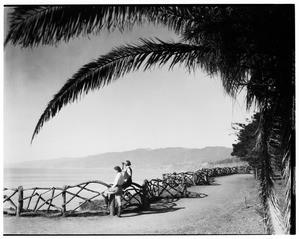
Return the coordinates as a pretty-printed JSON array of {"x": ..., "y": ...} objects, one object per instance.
[{"x": 248, "y": 46}]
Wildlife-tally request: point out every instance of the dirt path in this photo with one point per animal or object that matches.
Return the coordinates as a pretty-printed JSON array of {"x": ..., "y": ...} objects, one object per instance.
[{"x": 230, "y": 208}]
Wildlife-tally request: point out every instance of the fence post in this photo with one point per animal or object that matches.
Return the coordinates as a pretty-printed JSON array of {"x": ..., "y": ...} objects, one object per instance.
[
  {"x": 20, "y": 201},
  {"x": 144, "y": 197},
  {"x": 185, "y": 193},
  {"x": 64, "y": 206},
  {"x": 183, "y": 185},
  {"x": 206, "y": 178},
  {"x": 111, "y": 203},
  {"x": 195, "y": 179}
]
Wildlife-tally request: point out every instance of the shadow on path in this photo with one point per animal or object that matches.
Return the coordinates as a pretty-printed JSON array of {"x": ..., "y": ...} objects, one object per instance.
[
  {"x": 162, "y": 206},
  {"x": 214, "y": 184},
  {"x": 196, "y": 195}
]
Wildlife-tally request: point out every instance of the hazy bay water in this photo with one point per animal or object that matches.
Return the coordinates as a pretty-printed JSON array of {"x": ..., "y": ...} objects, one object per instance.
[{"x": 51, "y": 177}]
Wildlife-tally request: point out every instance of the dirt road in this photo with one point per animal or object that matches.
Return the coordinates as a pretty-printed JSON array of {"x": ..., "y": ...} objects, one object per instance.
[{"x": 230, "y": 207}]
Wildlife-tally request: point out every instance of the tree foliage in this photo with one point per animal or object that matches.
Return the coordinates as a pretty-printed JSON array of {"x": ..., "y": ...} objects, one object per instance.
[
  {"x": 246, "y": 137},
  {"x": 245, "y": 148}
]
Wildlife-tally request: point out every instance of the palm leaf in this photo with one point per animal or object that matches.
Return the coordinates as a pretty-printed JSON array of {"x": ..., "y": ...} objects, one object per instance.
[
  {"x": 118, "y": 62},
  {"x": 289, "y": 180},
  {"x": 34, "y": 25}
]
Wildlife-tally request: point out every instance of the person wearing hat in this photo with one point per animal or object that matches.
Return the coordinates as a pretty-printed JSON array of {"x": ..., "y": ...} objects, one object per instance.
[
  {"x": 116, "y": 189},
  {"x": 127, "y": 172}
]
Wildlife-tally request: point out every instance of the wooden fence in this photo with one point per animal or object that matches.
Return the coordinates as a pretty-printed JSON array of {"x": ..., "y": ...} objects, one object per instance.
[
  {"x": 55, "y": 199},
  {"x": 59, "y": 199},
  {"x": 186, "y": 178},
  {"x": 203, "y": 176},
  {"x": 62, "y": 200}
]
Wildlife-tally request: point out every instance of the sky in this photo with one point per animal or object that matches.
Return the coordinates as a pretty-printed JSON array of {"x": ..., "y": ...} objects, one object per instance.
[{"x": 157, "y": 108}]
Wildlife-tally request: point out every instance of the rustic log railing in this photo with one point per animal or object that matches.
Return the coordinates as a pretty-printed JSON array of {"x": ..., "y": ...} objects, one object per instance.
[
  {"x": 179, "y": 178},
  {"x": 51, "y": 199},
  {"x": 62, "y": 199},
  {"x": 203, "y": 176},
  {"x": 157, "y": 189}
]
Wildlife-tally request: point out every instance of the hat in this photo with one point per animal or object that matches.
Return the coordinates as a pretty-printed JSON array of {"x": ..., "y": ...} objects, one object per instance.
[{"x": 128, "y": 162}]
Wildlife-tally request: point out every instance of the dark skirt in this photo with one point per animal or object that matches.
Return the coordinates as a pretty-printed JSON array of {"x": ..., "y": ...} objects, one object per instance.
[{"x": 127, "y": 183}]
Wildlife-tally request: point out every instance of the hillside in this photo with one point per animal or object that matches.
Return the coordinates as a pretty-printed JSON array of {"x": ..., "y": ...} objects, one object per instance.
[{"x": 172, "y": 158}]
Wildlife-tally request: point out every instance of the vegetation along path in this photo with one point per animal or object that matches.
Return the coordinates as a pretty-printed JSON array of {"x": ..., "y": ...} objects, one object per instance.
[{"x": 230, "y": 207}]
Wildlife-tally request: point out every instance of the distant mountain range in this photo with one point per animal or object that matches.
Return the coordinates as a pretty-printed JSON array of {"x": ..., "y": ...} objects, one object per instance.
[{"x": 163, "y": 158}]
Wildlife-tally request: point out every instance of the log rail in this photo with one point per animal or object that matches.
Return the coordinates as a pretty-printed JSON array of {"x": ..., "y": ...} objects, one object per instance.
[{"x": 62, "y": 199}]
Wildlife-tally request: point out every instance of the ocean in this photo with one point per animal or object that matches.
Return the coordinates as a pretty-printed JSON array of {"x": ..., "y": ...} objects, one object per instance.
[{"x": 58, "y": 177}]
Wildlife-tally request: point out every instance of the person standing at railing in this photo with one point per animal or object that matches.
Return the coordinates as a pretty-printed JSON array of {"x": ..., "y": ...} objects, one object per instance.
[
  {"x": 127, "y": 172},
  {"x": 116, "y": 189}
]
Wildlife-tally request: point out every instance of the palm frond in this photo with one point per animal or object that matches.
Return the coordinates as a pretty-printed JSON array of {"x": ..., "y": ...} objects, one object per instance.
[
  {"x": 34, "y": 25},
  {"x": 289, "y": 180},
  {"x": 272, "y": 215},
  {"x": 287, "y": 176},
  {"x": 176, "y": 18},
  {"x": 118, "y": 62},
  {"x": 277, "y": 221}
]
